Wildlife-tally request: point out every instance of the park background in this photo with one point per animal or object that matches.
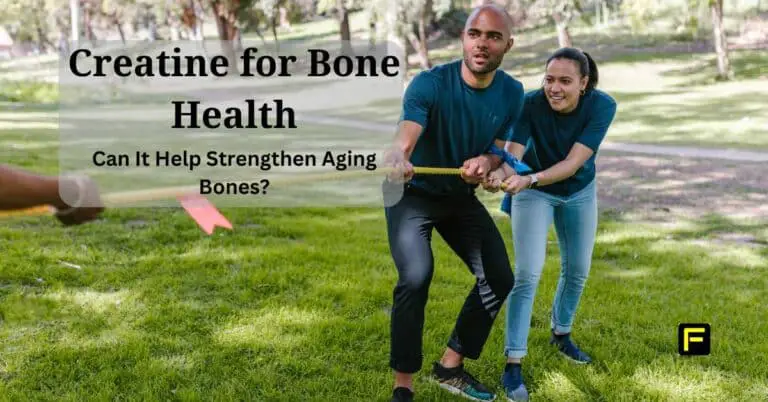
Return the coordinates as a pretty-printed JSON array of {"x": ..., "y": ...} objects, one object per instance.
[{"x": 293, "y": 304}]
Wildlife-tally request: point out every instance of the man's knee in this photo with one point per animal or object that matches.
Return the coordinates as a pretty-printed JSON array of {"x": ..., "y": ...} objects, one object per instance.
[
  {"x": 414, "y": 278},
  {"x": 499, "y": 282},
  {"x": 498, "y": 271}
]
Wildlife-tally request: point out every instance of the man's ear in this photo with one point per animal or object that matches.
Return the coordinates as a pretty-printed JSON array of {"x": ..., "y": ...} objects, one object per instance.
[{"x": 510, "y": 43}]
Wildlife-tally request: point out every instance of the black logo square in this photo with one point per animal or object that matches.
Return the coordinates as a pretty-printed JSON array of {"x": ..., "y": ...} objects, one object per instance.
[{"x": 693, "y": 339}]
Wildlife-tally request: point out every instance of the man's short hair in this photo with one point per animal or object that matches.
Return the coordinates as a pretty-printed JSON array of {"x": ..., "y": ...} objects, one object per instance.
[{"x": 490, "y": 6}]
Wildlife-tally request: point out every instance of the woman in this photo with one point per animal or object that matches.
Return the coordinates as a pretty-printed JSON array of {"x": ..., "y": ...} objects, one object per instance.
[{"x": 558, "y": 136}]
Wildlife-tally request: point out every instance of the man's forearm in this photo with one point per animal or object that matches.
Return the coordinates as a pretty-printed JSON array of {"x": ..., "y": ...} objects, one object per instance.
[
  {"x": 404, "y": 147},
  {"x": 21, "y": 189},
  {"x": 406, "y": 138},
  {"x": 494, "y": 160}
]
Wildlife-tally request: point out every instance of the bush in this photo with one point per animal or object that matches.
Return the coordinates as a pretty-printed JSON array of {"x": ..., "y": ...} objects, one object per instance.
[
  {"x": 452, "y": 22},
  {"x": 29, "y": 92}
]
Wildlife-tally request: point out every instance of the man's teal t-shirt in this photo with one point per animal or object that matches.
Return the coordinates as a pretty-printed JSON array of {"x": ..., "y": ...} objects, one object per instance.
[
  {"x": 550, "y": 135},
  {"x": 459, "y": 122}
]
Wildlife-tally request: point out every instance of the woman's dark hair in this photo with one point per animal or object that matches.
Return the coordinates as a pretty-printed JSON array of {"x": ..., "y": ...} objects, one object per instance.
[{"x": 587, "y": 66}]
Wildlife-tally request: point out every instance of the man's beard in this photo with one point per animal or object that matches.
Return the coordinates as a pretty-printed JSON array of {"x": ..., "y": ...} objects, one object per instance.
[{"x": 490, "y": 65}]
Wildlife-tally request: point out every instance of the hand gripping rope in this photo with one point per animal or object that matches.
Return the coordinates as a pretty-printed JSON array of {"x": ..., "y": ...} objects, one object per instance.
[{"x": 125, "y": 198}]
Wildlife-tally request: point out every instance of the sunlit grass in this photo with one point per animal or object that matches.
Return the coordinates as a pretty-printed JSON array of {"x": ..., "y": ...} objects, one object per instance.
[
  {"x": 293, "y": 300},
  {"x": 293, "y": 304}
]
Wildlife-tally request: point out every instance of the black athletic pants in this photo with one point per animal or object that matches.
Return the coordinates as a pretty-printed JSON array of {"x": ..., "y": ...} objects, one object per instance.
[{"x": 467, "y": 227}]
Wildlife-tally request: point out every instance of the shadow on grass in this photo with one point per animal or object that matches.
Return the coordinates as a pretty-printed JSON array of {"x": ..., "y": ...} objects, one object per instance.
[
  {"x": 746, "y": 64},
  {"x": 604, "y": 47},
  {"x": 660, "y": 188},
  {"x": 193, "y": 313},
  {"x": 293, "y": 301},
  {"x": 647, "y": 279},
  {"x": 627, "y": 98},
  {"x": 675, "y": 114}
]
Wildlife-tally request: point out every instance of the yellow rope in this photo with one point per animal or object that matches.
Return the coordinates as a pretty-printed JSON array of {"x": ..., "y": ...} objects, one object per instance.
[
  {"x": 436, "y": 170},
  {"x": 172, "y": 192}
]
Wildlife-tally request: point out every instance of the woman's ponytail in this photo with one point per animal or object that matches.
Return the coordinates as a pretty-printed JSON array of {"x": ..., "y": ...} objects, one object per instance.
[{"x": 593, "y": 76}]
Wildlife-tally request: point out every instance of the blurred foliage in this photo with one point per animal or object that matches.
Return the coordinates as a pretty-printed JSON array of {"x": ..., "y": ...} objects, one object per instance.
[{"x": 28, "y": 92}]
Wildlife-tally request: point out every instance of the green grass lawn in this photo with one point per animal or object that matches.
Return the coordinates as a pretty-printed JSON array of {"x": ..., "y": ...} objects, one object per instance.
[{"x": 293, "y": 304}]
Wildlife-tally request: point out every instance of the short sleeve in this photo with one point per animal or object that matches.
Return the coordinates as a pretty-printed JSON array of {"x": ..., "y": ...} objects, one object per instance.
[
  {"x": 418, "y": 99},
  {"x": 515, "y": 113},
  {"x": 598, "y": 122},
  {"x": 521, "y": 131}
]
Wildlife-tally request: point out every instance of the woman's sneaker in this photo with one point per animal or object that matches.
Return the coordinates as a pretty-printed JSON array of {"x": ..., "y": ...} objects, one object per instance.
[
  {"x": 512, "y": 380},
  {"x": 569, "y": 349},
  {"x": 458, "y": 381}
]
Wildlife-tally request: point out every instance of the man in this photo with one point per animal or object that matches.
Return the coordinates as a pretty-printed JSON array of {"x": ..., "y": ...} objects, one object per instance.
[
  {"x": 451, "y": 115},
  {"x": 20, "y": 189}
]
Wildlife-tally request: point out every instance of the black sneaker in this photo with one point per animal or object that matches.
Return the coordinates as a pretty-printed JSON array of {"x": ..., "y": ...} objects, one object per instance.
[
  {"x": 569, "y": 349},
  {"x": 402, "y": 394},
  {"x": 458, "y": 381}
]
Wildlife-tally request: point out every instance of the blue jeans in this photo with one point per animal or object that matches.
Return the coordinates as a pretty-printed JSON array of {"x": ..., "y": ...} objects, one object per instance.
[{"x": 575, "y": 219}]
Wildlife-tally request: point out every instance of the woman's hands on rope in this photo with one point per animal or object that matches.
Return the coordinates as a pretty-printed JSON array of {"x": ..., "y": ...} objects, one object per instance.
[{"x": 507, "y": 179}]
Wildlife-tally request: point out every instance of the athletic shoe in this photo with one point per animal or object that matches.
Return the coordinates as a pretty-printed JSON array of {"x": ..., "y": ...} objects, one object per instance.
[
  {"x": 402, "y": 394},
  {"x": 512, "y": 380},
  {"x": 569, "y": 349},
  {"x": 458, "y": 381}
]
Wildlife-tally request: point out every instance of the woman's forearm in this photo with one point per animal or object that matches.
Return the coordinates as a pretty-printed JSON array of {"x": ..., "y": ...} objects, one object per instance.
[
  {"x": 559, "y": 172},
  {"x": 517, "y": 150},
  {"x": 566, "y": 168}
]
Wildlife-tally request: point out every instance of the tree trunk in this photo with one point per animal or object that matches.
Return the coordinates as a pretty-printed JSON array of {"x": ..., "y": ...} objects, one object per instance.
[
  {"x": 225, "y": 17},
  {"x": 562, "y": 16},
  {"x": 721, "y": 43},
  {"x": 397, "y": 40},
  {"x": 74, "y": 24},
  {"x": 423, "y": 49},
  {"x": 598, "y": 13},
  {"x": 42, "y": 35},
  {"x": 199, "y": 12},
  {"x": 89, "y": 36},
  {"x": 346, "y": 36},
  {"x": 189, "y": 18},
  {"x": 273, "y": 24},
  {"x": 372, "y": 19},
  {"x": 261, "y": 36},
  {"x": 116, "y": 23},
  {"x": 285, "y": 23},
  {"x": 192, "y": 19},
  {"x": 563, "y": 36}
]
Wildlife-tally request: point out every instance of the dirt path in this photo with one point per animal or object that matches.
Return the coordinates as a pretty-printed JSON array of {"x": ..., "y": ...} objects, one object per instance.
[
  {"x": 664, "y": 182},
  {"x": 660, "y": 187}
]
